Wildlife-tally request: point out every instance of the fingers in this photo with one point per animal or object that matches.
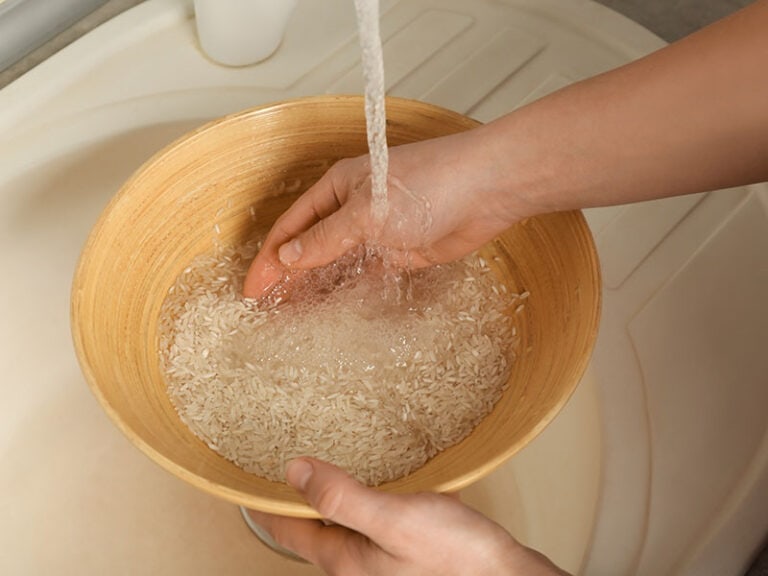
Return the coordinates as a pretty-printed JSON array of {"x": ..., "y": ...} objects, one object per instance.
[
  {"x": 264, "y": 272},
  {"x": 310, "y": 539},
  {"x": 314, "y": 231},
  {"x": 382, "y": 533},
  {"x": 355, "y": 510},
  {"x": 342, "y": 499},
  {"x": 324, "y": 242}
]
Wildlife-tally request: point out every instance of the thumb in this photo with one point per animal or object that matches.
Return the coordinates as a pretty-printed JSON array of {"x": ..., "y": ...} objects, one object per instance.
[
  {"x": 326, "y": 241},
  {"x": 340, "y": 498}
]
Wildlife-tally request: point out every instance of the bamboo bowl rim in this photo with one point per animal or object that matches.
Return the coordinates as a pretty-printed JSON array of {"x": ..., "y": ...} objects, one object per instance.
[{"x": 90, "y": 313}]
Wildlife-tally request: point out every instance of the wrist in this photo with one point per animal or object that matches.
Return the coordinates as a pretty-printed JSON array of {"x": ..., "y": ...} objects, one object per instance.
[{"x": 517, "y": 178}]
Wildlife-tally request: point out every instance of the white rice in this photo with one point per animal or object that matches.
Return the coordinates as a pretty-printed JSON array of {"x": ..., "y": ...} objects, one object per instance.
[{"x": 374, "y": 376}]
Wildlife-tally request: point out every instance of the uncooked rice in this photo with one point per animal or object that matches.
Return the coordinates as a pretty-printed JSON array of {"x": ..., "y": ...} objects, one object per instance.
[{"x": 375, "y": 376}]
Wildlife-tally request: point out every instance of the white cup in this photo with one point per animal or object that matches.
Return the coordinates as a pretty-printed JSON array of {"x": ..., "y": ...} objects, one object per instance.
[{"x": 241, "y": 32}]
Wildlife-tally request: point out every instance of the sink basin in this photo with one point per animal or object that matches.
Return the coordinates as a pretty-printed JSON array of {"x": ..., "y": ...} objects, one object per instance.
[
  {"x": 595, "y": 491},
  {"x": 76, "y": 496},
  {"x": 73, "y": 483}
]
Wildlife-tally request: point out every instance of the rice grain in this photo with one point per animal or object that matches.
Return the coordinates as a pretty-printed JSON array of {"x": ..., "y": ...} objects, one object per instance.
[{"x": 345, "y": 369}]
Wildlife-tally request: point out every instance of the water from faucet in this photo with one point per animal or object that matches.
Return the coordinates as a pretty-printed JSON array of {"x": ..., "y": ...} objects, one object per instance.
[{"x": 375, "y": 112}]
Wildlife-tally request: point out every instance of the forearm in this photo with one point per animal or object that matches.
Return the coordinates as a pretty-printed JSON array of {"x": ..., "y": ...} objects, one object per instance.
[{"x": 688, "y": 118}]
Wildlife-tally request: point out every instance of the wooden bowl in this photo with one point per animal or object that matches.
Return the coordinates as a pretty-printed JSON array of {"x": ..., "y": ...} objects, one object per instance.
[{"x": 204, "y": 185}]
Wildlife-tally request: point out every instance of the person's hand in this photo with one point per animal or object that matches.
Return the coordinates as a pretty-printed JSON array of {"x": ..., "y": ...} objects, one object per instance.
[
  {"x": 376, "y": 533},
  {"x": 683, "y": 119},
  {"x": 438, "y": 211}
]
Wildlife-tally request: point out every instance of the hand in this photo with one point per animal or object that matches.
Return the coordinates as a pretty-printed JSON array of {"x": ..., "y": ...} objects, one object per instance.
[
  {"x": 683, "y": 119},
  {"x": 376, "y": 533},
  {"x": 439, "y": 210}
]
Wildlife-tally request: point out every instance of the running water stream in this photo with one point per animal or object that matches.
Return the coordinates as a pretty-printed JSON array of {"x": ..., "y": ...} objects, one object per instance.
[{"x": 375, "y": 110}]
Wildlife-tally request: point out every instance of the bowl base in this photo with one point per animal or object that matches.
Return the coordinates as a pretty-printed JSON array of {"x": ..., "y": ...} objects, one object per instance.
[{"x": 266, "y": 539}]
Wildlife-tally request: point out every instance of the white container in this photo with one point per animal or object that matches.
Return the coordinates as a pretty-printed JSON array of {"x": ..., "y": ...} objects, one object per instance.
[{"x": 241, "y": 32}]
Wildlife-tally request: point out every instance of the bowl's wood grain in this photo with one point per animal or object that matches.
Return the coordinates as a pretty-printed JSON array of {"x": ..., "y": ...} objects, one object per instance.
[{"x": 259, "y": 161}]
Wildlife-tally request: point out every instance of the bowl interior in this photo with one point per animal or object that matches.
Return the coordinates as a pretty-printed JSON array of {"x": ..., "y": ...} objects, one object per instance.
[{"x": 227, "y": 182}]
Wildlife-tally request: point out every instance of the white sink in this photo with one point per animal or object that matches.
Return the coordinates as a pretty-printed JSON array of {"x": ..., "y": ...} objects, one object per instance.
[{"x": 75, "y": 496}]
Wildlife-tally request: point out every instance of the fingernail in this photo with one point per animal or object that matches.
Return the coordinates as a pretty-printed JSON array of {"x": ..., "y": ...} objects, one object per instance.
[
  {"x": 298, "y": 473},
  {"x": 290, "y": 252}
]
